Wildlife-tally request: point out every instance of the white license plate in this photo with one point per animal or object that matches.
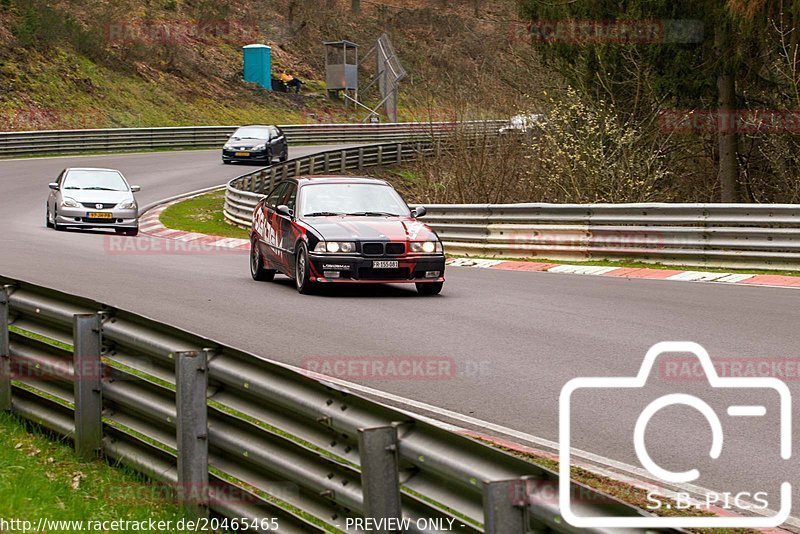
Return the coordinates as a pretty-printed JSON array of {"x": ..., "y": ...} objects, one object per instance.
[{"x": 385, "y": 264}]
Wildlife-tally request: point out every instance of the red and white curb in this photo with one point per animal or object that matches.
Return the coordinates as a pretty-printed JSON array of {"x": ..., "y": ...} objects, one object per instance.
[
  {"x": 150, "y": 224},
  {"x": 770, "y": 280}
]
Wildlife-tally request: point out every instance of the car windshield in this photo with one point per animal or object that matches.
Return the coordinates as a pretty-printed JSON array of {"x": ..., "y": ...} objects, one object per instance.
[
  {"x": 352, "y": 199},
  {"x": 95, "y": 180},
  {"x": 251, "y": 133}
]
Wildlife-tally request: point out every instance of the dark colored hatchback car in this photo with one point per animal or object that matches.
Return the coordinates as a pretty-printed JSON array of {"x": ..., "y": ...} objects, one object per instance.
[
  {"x": 261, "y": 144},
  {"x": 340, "y": 229}
]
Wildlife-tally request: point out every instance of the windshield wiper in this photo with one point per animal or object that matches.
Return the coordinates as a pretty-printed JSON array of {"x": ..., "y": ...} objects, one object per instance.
[
  {"x": 99, "y": 189},
  {"x": 372, "y": 214},
  {"x": 323, "y": 214}
]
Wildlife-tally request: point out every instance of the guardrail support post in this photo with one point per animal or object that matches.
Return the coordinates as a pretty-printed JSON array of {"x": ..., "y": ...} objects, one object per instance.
[
  {"x": 344, "y": 161},
  {"x": 272, "y": 173},
  {"x": 312, "y": 165},
  {"x": 380, "y": 155},
  {"x": 5, "y": 352},
  {"x": 399, "y": 152},
  {"x": 380, "y": 476},
  {"x": 360, "y": 158},
  {"x": 192, "y": 431},
  {"x": 326, "y": 163},
  {"x": 88, "y": 369},
  {"x": 504, "y": 509}
]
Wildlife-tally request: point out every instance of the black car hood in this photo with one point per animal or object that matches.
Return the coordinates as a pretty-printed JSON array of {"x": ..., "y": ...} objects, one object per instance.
[{"x": 370, "y": 229}]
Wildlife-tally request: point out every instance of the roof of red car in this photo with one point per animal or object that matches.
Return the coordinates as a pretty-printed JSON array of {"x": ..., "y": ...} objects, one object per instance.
[{"x": 340, "y": 179}]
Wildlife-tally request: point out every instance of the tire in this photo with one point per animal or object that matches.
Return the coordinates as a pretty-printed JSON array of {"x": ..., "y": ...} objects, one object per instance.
[
  {"x": 58, "y": 227},
  {"x": 47, "y": 221},
  {"x": 429, "y": 288},
  {"x": 257, "y": 270},
  {"x": 302, "y": 271},
  {"x": 285, "y": 155}
]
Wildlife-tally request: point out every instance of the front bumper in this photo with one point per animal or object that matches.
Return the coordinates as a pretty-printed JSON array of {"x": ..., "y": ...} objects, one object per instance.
[
  {"x": 79, "y": 217},
  {"x": 360, "y": 269},
  {"x": 231, "y": 155}
]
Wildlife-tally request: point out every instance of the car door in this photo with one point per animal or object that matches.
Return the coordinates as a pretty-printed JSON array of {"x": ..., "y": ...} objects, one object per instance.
[
  {"x": 277, "y": 141},
  {"x": 268, "y": 237},
  {"x": 286, "y": 228}
]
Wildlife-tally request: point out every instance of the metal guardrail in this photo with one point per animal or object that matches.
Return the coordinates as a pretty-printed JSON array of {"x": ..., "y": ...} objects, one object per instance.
[
  {"x": 250, "y": 438},
  {"x": 710, "y": 235},
  {"x": 243, "y": 193},
  {"x": 72, "y": 141}
]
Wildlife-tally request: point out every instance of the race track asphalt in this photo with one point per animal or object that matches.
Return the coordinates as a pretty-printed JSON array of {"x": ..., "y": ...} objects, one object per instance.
[{"x": 515, "y": 338}]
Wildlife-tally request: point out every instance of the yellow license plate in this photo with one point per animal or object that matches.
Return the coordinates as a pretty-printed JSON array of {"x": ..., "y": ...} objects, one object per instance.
[
  {"x": 243, "y": 154},
  {"x": 100, "y": 215}
]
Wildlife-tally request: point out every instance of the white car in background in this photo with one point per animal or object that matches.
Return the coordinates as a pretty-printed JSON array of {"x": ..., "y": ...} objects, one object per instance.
[
  {"x": 93, "y": 198},
  {"x": 523, "y": 123}
]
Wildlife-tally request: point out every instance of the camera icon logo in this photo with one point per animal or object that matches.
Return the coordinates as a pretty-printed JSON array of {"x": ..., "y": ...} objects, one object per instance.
[{"x": 658, "y": 472}]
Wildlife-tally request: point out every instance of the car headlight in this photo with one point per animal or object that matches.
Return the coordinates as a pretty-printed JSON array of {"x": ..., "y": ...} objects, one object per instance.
[
  {"x": 426, "y": 247},
  {"x": 335, "y": 247},
  {"x": 227, "y": 147},
  {"x": 259, "y": 148},
  {"x": 67, "y": 202},
  {"x": 127, "y": 205}
]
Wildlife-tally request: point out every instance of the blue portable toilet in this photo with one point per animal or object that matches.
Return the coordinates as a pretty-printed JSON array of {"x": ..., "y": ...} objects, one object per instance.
[{"x": 258, "y": 65}]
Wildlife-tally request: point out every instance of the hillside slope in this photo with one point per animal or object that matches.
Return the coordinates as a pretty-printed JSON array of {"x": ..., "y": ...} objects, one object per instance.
[{"x": 94, "y": 63}]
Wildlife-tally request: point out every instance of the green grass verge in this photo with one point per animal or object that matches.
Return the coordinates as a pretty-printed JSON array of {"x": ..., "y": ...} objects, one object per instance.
[
  {"x": 40, "y": 477},
  {"x": 202, "y": 214}
]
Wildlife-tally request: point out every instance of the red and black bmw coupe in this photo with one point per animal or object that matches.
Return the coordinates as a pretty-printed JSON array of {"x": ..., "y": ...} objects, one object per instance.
[{"x": 340, "y": 229}]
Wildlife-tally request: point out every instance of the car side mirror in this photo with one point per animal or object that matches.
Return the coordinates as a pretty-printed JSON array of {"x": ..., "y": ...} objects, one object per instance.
[
  {"x": 136, "y": 188},
  {"x": 53, "y": 186},
  {"x": 420, "y": 211},
  {"x": 284, "y": 210}
]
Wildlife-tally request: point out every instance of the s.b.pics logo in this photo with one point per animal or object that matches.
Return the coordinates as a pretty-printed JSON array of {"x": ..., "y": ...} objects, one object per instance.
[{"x": 669, "y": 430}]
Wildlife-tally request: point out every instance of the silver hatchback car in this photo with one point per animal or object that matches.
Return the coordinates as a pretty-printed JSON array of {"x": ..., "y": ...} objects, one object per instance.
[{"x": 93, "y": 198}]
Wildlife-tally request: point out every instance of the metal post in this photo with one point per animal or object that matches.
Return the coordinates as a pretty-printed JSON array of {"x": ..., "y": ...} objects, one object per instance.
[
  {"x": 503, "y": 509},
  {"x": 312, "y": 165},
  {"x": 360, "y": 158},
  {"x": 380, "y": 154},
  {"x": 327, "y": 163},
  {"x": 399, "y": 152},
  {"x": 5, "y": 352},
  {"x": 88, "y": 369},
  {"x": 344, "y": 161},
  {"x": 380, "y": 477},
  {"x": 192, "y": 431},
  {"x": 272, "y": 173},
  {"x": 297, "y": 167}
]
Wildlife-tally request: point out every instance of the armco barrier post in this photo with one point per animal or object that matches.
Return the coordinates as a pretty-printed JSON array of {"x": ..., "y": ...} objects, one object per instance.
[
  {"x": 380, "y": 475},
  {"x": 5, "y": 352},
  {"x": 191, "y": 377},
  {"x": 88, "y": 386},
  {"x": 503, "y": 509}
]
